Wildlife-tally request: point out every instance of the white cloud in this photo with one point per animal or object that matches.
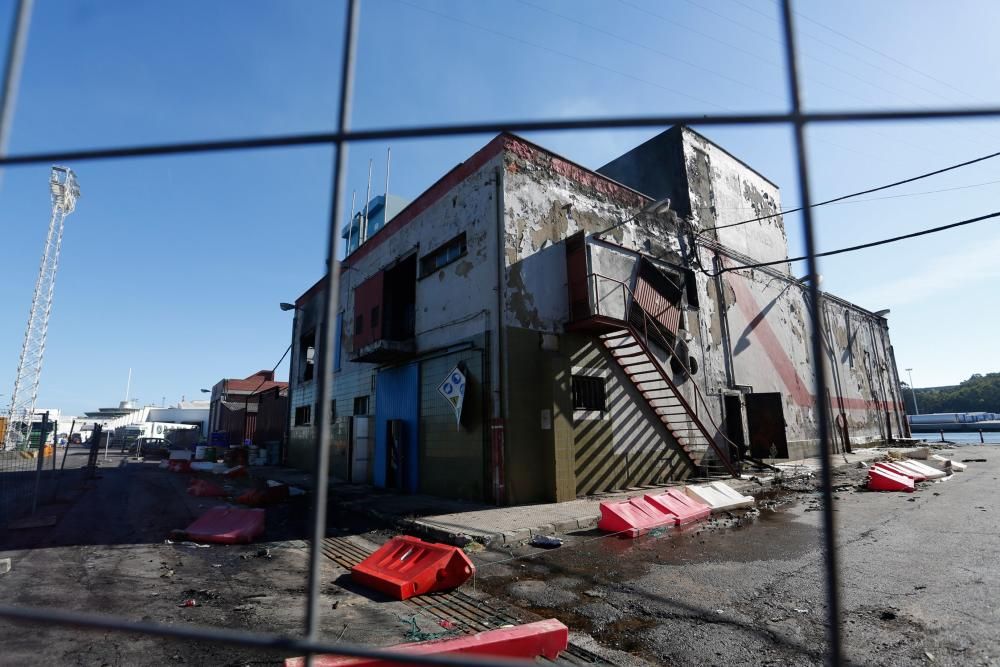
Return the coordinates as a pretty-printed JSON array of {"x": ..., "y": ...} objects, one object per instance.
[{"x": 929, "y": 279}]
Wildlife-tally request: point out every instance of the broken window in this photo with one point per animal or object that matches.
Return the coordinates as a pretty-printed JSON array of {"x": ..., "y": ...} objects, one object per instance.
[
  {"x": 399, "y": 300},
  {"x": 588, "y": 393},
  {"x": 361, "y": 405},
  {"x": 307, "y": 355},
  {"x": 442, "y": 255},
  {"x": 303, "y": 415}
]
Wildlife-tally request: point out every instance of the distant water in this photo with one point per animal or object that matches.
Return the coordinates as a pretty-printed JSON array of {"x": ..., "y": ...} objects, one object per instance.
[{"x": 960, "y": 437}]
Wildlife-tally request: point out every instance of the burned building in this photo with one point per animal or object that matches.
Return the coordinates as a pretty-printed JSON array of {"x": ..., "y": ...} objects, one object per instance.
[{"x": 531, "y": 330}]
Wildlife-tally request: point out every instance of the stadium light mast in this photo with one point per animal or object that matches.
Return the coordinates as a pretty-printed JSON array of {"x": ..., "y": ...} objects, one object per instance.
[{"x": 64, "y": 191}]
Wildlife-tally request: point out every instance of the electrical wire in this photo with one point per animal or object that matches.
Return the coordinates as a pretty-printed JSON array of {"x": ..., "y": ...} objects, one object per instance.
[
  {"x": 862, "y": 246},
  {"x": 865, "y": 192}
]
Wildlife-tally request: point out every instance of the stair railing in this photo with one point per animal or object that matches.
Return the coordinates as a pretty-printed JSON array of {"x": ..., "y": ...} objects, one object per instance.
[{"x": 700, "y": 410}]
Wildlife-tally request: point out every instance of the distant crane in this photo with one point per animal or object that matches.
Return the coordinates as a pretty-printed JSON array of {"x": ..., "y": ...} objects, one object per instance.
[{"x": 65, "y": 191}]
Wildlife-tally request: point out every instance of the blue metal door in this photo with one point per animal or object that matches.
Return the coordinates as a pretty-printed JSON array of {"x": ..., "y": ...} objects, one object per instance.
[{"x": 397, "y": 397}]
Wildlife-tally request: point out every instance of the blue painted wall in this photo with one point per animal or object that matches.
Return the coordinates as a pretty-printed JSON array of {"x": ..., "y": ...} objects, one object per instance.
[{"x": 397, "y": 396}]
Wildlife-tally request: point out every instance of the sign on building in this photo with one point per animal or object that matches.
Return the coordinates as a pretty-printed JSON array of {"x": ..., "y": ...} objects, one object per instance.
[{"x": 453, "y": 390}]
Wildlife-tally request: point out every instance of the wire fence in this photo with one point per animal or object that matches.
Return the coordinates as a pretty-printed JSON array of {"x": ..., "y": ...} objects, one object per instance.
[{"x": 310, "y": 643}]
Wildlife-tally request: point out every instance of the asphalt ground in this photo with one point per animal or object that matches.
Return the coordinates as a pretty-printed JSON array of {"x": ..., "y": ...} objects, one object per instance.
[{"x": 920, "y": 576}]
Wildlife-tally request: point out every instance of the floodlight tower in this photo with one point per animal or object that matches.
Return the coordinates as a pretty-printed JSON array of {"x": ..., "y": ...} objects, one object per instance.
[{"x": 65, "y": 191}]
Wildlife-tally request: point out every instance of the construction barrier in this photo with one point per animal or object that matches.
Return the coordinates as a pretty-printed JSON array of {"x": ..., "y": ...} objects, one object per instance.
[
  {"x": 719, "y": 496},
  {"x": 883, "y": 479},
  {"x": 272, "y": 495},
  {"x": 683, "y": 507},
  {"x": 546, "y": 639},
  {"x": 949, "y": 464},
  {"x": 632, "y": 517},
  {"x": 903, "y": 471},
  {"x": 205, "y": 488},
  {"x": 227, "y": 525},
  {"x": 179, "y": 465},
  {"x": 407, "y": 566},
  {"x": 923, "y": 469}
]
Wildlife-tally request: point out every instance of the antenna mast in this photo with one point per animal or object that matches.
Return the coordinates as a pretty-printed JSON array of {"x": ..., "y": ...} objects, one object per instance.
[{"x": 65, "y": 191}]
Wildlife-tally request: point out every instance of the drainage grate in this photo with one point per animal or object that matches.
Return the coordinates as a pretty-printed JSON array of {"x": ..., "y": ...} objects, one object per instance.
[{"x": 467, "y": 613}]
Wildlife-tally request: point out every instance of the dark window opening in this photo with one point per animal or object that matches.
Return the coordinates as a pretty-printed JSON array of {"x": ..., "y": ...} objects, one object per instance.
[
  {"x": 374, "y": 317},
  {"x": 359, "y": 324},
  {"x": 307, "y": 355},
  {"x": 303, "y": 415},
  {"x": 333, "y": 410},
  {"x": 443, "y": 255},
  {"x": 399, "y": 301},
  {"x": 588, "y": 393},
  {"x": 361, "y": 405}
]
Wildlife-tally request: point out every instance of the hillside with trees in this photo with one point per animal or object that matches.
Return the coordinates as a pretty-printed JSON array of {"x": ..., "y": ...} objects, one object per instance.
[{"x": 980, "y": 393}]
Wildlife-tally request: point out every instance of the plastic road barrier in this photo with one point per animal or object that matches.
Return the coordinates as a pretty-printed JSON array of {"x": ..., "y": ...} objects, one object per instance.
[
  {"x": 893, "y": 466},
  {"x": 261, "y": 497},
  {"x": 203, "y": 487},
  {"x": 949, "y": 464},
  {"x": 882, "y": 479},
  {"x": 407, "y": 566},
  {"x": 683, "y": 507},
  {"x": 923, "y": 469},
  {"x": 632, "y": 517},
  {"x": 719, "y": 496},
  {"x": 546, "y": 639},
  {"x": 227, "y": 525},
  {"x": 179, "y": 465}
]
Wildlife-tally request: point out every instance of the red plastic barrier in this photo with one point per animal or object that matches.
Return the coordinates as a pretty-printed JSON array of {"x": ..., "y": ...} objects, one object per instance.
[
  {"x": 406, "y": 566},
  {"x": 899, "y": 470},
  {"x": 262, "y": 497},
  {"x": 683, "y": 507},
  {"x": 237, "y": 471},
  {"x": 880, "y": 479},
  {"x": 227, "y": 525},
  {"x": 632, "y": 517},
  {"x": 179, "y": 465},
  {"x": 203, "y": 487},
  {"x": 542, "y": 638}
]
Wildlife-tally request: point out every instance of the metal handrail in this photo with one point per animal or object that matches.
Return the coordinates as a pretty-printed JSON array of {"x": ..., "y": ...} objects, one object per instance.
[{"x": 699, "y": 398}]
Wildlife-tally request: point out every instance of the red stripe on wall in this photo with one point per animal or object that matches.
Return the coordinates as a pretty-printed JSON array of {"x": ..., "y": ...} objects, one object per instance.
[{"x": 761, "y": 328}]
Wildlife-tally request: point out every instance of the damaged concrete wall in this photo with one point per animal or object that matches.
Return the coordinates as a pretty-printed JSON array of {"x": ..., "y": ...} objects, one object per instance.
[
  {"x": 724, "y": 191},
  {"x": 767, "y": 315}
]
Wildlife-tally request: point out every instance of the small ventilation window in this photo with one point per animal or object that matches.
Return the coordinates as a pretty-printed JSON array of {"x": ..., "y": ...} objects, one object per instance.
[
  {"x": 588, "y": 393},
  {"x": 443, "y": 255}
]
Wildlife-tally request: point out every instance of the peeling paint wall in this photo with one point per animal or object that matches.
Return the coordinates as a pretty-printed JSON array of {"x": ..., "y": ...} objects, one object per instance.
[{"x": 724, "y": 191}]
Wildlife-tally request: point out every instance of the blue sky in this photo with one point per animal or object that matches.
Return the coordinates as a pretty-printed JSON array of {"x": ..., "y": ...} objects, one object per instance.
[{"x": 175, "y": 266}]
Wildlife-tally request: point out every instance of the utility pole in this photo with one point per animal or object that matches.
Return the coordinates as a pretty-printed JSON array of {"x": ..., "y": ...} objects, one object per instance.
[
  {"x": 913, "y": 390},
  {"x": 64, "y": 193}
]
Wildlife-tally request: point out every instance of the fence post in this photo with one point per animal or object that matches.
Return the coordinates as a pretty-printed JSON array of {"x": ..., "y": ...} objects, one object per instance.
[
  {"x": 981, "y": 439},
  {"x": 41, "y": 457}
]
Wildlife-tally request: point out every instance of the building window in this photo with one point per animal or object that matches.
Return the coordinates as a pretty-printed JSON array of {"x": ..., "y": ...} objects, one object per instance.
[
  {"x": 338, "y": 341},
  {"x": 303, "y": 415},
  {"x": 588, "y": 393},
  {"x": 442, "y": 255},
  {"x": 307, "y": 355},
  {"x": 361, "y": 405}
]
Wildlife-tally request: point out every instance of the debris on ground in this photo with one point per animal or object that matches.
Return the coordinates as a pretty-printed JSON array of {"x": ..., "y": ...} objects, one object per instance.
[
  {"x": 546, "y": 542},
  {"x": 5, "y": 565},
  {"x": 190, "y": 602},
  {"x": 973, "y": 460},
  {"x": 473, "y": 547},
  {"x": 260, "y": 553}
]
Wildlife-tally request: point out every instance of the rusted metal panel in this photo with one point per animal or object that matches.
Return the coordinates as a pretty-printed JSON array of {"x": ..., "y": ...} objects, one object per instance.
[
  {"x": 368, "y": 311},
  {"x": 656, "y": 305},
  {"x": 576, "y": 277}
]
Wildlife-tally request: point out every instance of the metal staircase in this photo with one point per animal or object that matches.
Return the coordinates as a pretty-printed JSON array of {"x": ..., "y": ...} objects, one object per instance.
[{"x": 630, "y": 343}]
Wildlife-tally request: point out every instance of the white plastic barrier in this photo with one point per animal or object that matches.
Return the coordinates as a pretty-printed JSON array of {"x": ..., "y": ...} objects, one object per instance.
[
  {"x": 922, "y": 469},
  {"x": 949, "y": 464},
  {"x": 719, "y": 496}
]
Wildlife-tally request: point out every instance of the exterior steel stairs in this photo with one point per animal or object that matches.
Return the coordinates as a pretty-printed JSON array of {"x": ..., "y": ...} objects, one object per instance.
[{"x": 632, "y": 353}]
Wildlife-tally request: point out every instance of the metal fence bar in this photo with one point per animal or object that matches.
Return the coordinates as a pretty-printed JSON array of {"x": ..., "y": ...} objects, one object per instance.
[
  {"x": 835, "y": 655},
  {"x": 490, "y": 127},
  {"x": 796, "y": 117},
  {"x": 12, "y": 69},
  {"x": 260, "y": 640},
  {"x": 324, "y": 378}
]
